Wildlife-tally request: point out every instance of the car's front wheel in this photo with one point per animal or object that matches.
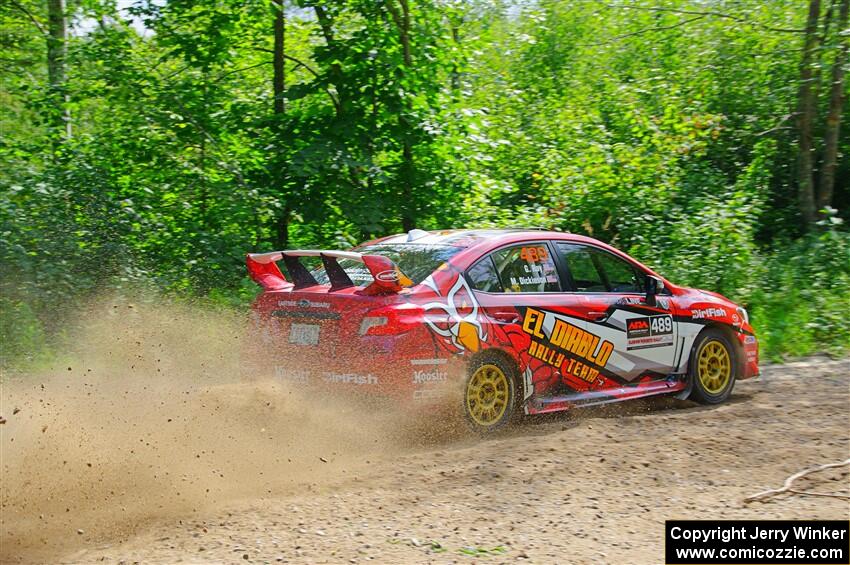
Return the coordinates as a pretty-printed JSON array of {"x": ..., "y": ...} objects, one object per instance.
[
  {"x": 713, "y": 367},
  {"x": 489, "y": 394}
]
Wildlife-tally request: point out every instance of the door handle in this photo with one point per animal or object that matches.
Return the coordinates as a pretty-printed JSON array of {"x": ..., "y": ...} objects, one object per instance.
[
  {"x": 597, "y": 316},
  {"x": 506, "y": 317}
]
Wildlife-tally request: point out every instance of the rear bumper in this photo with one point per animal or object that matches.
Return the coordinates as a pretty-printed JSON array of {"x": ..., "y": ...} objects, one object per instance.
[
  {"x": 417, "y": 379},
  {"x": 406, "y": 368}
]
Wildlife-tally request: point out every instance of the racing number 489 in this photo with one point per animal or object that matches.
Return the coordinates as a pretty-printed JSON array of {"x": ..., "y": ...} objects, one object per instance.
[
  {"x": 662, "y": 324},
  {"x": 533, "y": 254}
]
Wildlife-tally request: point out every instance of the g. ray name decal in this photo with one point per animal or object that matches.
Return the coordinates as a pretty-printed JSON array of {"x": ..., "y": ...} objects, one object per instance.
[{"x": 571, "y": 349}]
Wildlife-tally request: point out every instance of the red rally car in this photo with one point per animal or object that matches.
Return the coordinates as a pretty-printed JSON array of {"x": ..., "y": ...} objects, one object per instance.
[{"x": 513, "y": 321}]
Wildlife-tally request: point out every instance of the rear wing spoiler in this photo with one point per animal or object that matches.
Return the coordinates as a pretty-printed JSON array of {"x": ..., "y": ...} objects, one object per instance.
[{"x": 264, "y": 270}]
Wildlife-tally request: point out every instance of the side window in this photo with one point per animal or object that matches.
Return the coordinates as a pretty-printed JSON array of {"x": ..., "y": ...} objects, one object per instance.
[
  {"x": 482, "y": 276},
  {"x": 621, "y": 276},
  {"x": 594, "y": 270},
  {"x": 526, "y": 268},
  {"x": 580, "y": 262}
]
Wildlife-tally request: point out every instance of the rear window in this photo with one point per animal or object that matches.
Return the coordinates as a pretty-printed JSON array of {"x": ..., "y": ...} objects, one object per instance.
[
  {"x": 416, "y": 261},
  {"x": 527, "y": 267}
]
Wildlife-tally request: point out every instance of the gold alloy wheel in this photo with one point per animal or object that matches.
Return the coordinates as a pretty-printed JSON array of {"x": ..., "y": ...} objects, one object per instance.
[
  {"x": 487, "y": 395},
  {"x": 714, "y": 366}
]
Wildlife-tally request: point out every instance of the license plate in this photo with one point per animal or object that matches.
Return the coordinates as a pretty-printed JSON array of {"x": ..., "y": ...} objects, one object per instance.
[{"x": 304, "y": 334}]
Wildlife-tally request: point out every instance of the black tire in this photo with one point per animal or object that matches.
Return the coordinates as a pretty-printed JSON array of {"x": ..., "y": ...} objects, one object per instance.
[
  {"x": 480, "y": 399},
  {"x": 712, "y": 384}
]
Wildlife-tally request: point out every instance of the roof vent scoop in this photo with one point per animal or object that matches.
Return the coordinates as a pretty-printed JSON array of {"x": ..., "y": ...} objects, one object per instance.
[{"x": 416, "y": 234}]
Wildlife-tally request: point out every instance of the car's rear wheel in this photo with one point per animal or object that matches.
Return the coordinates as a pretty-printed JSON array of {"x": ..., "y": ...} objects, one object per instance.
[
  {"x": 489, "y": 394},
  {"x": 713, "y": 367}
]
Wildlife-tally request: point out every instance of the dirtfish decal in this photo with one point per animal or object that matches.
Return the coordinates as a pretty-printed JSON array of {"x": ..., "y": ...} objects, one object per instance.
[
  {"x": 350, "y": 378},
  {"x": 704, "y": 313}
]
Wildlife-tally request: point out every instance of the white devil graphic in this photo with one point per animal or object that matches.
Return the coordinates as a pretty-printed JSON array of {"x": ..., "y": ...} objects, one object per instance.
[{"x": 464, "y": 331}]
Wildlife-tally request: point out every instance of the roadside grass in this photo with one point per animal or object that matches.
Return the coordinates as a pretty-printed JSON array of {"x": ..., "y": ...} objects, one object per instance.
[{"x": 433, "y": 546}]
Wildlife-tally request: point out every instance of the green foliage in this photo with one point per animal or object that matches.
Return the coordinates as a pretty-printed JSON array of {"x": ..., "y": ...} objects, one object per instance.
[
  {"x": 21, "y": 336},
  {"x": 802, "y": 304},
  {"x": 653, "y": 126}
]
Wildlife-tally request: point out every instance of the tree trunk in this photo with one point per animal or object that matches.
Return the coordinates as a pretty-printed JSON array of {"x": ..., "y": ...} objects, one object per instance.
[
  {"x": 833, "y": 116},
  {"x": 204, "y": 196},
  {"x": 455, "y": 74},
  {"x": 279, "y": 80},
  {"x": 805, "y": 116},
  {"x": 281, "y": 235},
  {"x": 281, "y": 226},
  {"x": 405, "y": 31},
  {"x": 408, "y": 166},
  {"x": 57, "y": 35},
  {"x": 336, "y": 76}
]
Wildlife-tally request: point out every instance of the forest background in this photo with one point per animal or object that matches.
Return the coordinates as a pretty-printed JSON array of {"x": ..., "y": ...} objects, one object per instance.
[{"x": 151, "y": 144}]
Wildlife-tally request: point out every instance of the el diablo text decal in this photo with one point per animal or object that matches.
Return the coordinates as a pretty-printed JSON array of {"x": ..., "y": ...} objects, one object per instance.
[{"x": 570, "y": 348}]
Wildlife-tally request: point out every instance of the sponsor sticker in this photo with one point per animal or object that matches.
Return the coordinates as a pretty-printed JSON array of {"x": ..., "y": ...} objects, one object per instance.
[
  {"x": 387, "y": 276},
  {"x": 304, "y": 303},
  {"x": 422, "y": 394},
  {"x": 649, "y": 331},
  {"x": 638, "y": 327},
  {"x": 660, "y": 301},
  {"x": 299, "y": 376},
  {"x": 433, "y": 376},
  {"x": 703, "y": 313},
  {"x": 350, "y": 379},
  {"x": 435, "y": 361}
]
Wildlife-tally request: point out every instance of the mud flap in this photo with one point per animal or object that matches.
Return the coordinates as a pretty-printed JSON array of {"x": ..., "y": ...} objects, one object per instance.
[
  {"x": 527, "y": 389},
  {"x": 686, "y": 392}
]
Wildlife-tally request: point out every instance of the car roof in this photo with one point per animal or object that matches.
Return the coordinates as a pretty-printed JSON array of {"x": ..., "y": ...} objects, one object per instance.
[
  {"x": 477, "y": 242},
  {"x": 459, "y": 237}
]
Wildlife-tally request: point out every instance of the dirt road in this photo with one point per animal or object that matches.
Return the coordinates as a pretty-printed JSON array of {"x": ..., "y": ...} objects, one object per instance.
[{"x": 590, "y": 487}]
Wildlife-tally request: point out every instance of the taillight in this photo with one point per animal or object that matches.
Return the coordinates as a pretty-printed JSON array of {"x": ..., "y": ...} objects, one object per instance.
[{"x": 392, "y": 320}]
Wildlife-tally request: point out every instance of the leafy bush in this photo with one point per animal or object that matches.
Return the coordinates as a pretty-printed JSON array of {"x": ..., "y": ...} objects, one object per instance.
[
  {"x": 802, "y": 303},
  {"x": 22, "y": 339}
]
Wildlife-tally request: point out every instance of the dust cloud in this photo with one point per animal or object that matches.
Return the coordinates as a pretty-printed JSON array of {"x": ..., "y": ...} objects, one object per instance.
[{"x": 154, "y": 415}]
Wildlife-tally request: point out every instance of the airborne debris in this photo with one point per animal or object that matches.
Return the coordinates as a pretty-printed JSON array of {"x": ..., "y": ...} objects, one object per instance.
[{"x": 117, "y": 417}]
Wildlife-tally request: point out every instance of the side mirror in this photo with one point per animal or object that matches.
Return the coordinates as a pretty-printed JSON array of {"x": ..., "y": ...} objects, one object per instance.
[{"x": 654, "y": 287}]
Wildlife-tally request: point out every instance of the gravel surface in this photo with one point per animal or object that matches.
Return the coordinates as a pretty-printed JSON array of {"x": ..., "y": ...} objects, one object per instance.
[{"x": 593, "y": 486}]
